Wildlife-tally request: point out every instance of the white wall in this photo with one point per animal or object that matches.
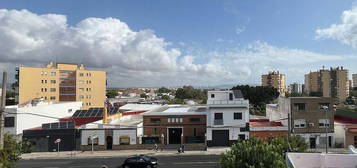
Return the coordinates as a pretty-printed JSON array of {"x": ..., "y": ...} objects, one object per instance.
[
  {"x": 85, "y": 134},
  {"x": 339, "y": 133},
  {"x": 118, "y": 133},
  {"x": 233, "y": 133},
  {"x": 24, "y": 120},
  {"x": 228, "y": 116}
]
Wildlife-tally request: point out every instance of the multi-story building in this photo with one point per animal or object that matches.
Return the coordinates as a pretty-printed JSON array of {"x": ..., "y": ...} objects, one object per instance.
[
  {"x": 328, "y": 83},
  {"x": 354, "y": 80},
  {"x": 275, "y": 80},
  {"x": 296, "y": 88},
  {"x": 309, "y": 118},
  {"x": 60, "y": 83},
  {"x": 227, "y": 117}
]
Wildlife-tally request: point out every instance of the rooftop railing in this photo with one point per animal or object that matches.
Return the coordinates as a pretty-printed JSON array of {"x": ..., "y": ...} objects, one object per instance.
[{"x": 228, "y": 102}]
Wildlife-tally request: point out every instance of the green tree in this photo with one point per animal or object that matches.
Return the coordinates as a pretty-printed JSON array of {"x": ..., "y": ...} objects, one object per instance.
[
  {"x": 256, "y": 153},
  {"x": 143, "y": 95},
  {"x": 188, "y": 92},
  {"x": 163, "y": 90},
  {"x": 11, "y": 152},
  {"x": 111, "y": 93},
  {"x": 165, "y": 97}
]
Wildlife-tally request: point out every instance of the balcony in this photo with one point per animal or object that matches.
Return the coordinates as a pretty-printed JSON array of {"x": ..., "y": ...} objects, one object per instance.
[{"x": 218, "y": 122}]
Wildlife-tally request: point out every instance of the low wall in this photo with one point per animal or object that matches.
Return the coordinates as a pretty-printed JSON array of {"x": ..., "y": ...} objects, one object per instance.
[{"x": 188, "y": 147}]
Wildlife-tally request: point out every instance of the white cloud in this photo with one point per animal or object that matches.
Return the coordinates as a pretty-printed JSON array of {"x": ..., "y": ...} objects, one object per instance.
[
  {"x": 345, "y": 32},
  {"x": 134, "y": 58},
  {"x": 240, "y": 30}
]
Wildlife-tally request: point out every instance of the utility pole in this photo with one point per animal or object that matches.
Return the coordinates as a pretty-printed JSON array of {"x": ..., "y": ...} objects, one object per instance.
[
  {"x": 325, "y": 123},
  {"x": 3, "y": 101}
]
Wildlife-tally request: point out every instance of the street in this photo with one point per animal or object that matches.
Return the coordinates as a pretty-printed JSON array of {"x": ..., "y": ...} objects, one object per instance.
[{"x": 173, "y": 161}]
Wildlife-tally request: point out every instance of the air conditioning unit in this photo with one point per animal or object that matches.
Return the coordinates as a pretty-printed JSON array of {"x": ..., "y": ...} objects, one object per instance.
[{"x": 311, "y": 124}]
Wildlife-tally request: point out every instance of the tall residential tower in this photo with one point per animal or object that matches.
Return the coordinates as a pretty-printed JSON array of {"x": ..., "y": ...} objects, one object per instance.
[
  {"x": 61, "y": 82},
  {"x": 275, "y": 80}
]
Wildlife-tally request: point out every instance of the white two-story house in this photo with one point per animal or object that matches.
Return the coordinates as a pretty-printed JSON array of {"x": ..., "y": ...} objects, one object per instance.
[{"x": 227, "y": 117}]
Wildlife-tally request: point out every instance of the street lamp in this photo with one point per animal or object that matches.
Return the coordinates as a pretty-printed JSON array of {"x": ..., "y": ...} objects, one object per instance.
[{"x": 325, "y": 124}]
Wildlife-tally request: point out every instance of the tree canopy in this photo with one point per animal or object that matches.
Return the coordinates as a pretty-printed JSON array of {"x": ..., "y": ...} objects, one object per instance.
[
  {"x": 11, "y": 152},
  {"x": 112, "y": 93},
  {"x": 258, "y": 94},
  {"x": 256, "y": 153},
  {"x": 188, "y": 92},
  {"x": 163, "y": 90}
]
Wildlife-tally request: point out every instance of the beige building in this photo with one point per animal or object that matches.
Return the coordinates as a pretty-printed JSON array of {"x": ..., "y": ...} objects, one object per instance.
[
  {"x": 61, "y": 82},
  {"x": 354, "y": 80},
  {"x": 275, "y": 80},
  {"x": 328, "y": 83}
]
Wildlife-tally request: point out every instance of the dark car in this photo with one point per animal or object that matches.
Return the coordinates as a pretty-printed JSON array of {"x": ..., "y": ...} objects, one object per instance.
[{"x": 139, "y": 161}]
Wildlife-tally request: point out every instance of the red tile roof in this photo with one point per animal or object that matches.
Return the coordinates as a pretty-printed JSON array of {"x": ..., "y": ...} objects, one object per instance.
[{"x": 265, "y": 124}]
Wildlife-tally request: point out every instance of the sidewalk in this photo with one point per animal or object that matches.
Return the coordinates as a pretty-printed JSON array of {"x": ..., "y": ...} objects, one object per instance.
[{"x": 115, "y": 153}]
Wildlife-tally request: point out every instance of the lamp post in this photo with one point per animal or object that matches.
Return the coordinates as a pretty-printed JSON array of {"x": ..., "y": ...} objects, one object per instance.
[{"x": 325, "y": 124}]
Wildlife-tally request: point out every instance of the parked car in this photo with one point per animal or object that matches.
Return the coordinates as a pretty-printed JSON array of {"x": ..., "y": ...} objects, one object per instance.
[{"x": 140, "y": 161}]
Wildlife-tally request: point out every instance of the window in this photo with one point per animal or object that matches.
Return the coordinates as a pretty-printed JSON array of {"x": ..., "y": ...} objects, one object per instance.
[
  {"x": 45, "y": 97},
  {"x": 95, "y": 141},
  {"x": 299, "y": 106},
  {"x": 194, "y": 132},
  {"x": 87, "y": 74},
  {"x": 155, "y": 120},
  {"x": 154, "y": 131},
  {"x": 181, "y": 120},
  {"x": 9, "y": 122},
  {"x": 81, "y": 97},
  {"x": 41, "y": 89},
  {"x": 241, "y": 136},
  {"x": 53, "y": 73},
  {"x": 53, "y": 98},
  {"x": 53, "y": 89},
  {"x": 45, "y": 81},
  {"x": 355, "y": 140},
  {"x": 237, "y": 116},
  {"x": 53, "y": 81},
  {"x": 45, "y": 89},
  {"x": 177, "y": 120},
  {"x": 45, "y": 73},
  {"x": 230, "y": 96},
  {"x": 300, "y": 123},
  {"x": 41, "y": 72},
  {"x": 324, "y": 122},
  {"x": 168, "y": 120},
  {"x": 81, "y": 89},
  {"x": 212, "y": 95},
  {"x": 124, "y": 140},
  {"x": 218, "y": 116},
  {"x": 81, "y": 82},
  {"x": 194, "y": 119},
  {"x": 81, "y": 74},
  {"x": 321, "y": 105},
  {"x": 42, "y": 81}
]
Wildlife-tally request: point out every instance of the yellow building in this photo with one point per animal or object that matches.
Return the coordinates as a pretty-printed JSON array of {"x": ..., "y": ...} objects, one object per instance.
[
  {"x": 275, "y": 80},
  {"x": 329, "y": 83},
  {"x": 61, "y": 82}
]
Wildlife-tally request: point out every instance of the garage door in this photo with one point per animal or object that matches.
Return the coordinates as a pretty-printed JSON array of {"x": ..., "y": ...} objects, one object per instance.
[{"x": 220, "y": 137}]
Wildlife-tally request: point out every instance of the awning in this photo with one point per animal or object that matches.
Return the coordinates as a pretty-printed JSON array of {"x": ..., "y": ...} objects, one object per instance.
[{"x": 352, "y": 130}]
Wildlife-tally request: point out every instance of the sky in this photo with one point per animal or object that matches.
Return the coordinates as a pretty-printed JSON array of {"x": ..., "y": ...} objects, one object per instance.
[{"x": 153, "y": 43}]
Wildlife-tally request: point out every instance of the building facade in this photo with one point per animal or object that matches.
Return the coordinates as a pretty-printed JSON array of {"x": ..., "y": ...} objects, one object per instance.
[
  {"x": 227, "y": 117},
  {"x": 60, "y": 83},
  {"x": 296, "y": 88},
  {"x": 265, "y": 129},
  {"x": 354, "y": 80},
  {"x": 275, "y": 80},
  {"x": 331, "y": 82},
  {"x": 308, "y": 118},
  {"x": 177, "y": 125},
  {"x": 34, "y": 115}
]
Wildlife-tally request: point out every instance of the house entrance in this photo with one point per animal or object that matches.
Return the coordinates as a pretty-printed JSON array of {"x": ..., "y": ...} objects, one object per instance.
[{"x": 174, "y": 135}]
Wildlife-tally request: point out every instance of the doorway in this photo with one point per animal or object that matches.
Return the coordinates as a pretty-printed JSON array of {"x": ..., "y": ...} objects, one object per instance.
[
  {"x": 174, "y": 135},
  {"x": 312, "y": 143},
  {"x": 109, "y": 141},
  {"x": 220, "y": 137}
]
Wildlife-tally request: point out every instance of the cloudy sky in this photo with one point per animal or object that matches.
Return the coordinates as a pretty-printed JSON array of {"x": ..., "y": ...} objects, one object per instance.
[{"x": 180, "y": 42}]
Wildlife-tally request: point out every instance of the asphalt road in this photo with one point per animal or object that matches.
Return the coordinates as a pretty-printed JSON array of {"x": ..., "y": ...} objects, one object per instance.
[{"x": 175, "y": 161}]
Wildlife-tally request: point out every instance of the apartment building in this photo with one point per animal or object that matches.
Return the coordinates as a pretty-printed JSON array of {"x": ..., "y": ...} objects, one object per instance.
[
  {"x": 60, "y": 83},
  {"x": 354, "y": 80},
  {"x": 296, "y": 88},
  {"x": 275, "y": 80},
  {"x": 227, "y": 117},
  {"x": 331, "y": 82},
  {"x": 308, "y": 118}
]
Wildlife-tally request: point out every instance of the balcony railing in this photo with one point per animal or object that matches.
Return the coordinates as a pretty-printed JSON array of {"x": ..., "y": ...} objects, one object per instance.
[
  {"x": 228, "y": 102},
  {"x": 218, "y": 122}
]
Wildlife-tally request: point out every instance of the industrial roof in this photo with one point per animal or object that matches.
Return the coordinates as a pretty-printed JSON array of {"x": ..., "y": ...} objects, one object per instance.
[
  {"x": 186, "y": 110},
  {"x": 136, "y": 107}
]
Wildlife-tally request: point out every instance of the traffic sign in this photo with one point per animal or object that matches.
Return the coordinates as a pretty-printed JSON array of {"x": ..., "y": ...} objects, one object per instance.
[{"x": 58, "y": 140}]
